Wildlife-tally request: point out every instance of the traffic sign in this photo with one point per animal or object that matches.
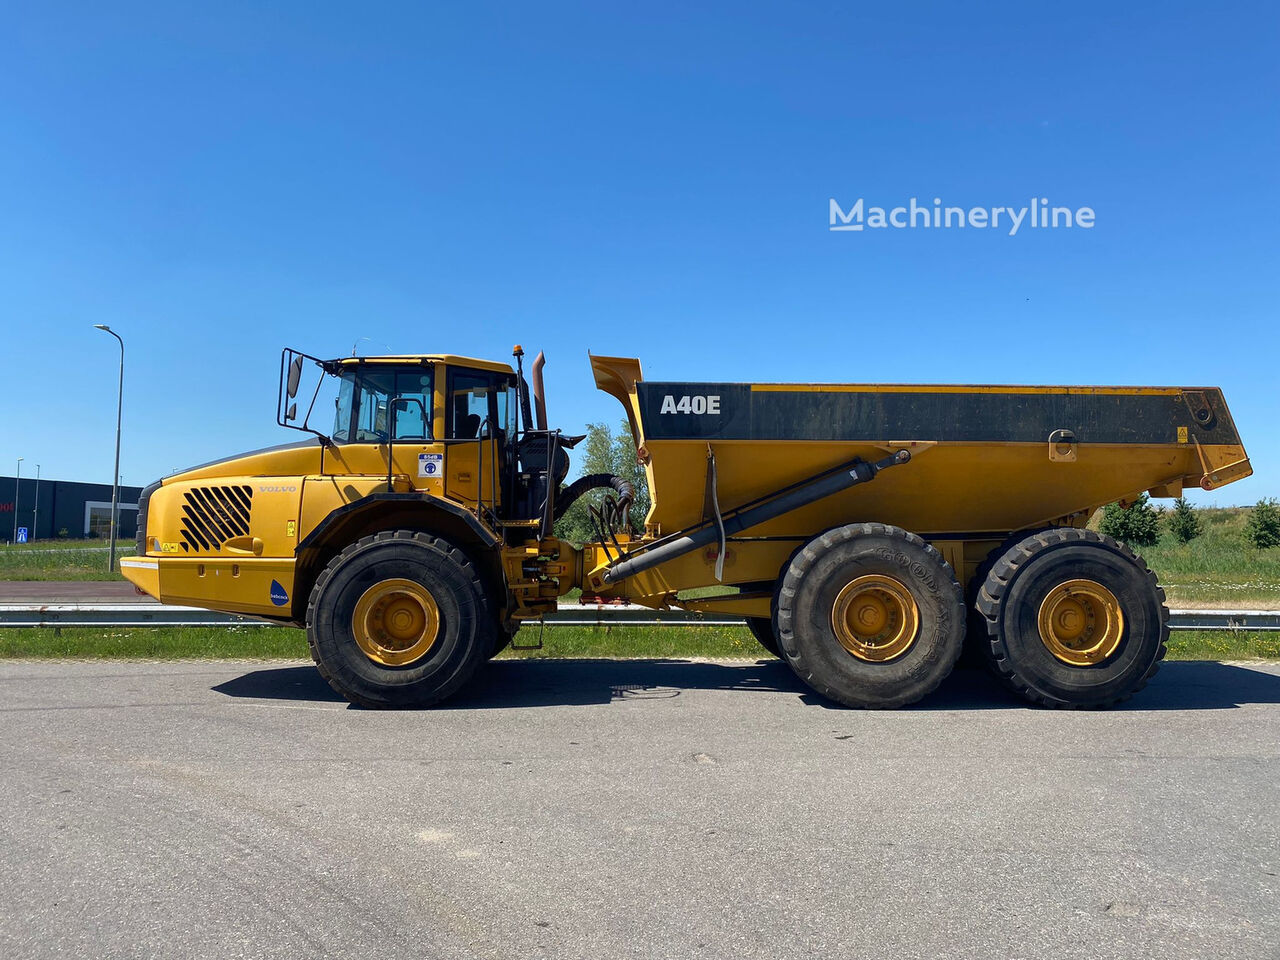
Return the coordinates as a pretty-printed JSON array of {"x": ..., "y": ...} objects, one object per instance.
[{"x": 22, "y": 535}]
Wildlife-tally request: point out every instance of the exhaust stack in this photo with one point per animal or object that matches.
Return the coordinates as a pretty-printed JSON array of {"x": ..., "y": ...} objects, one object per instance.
[{"x": 539, "y": 393}]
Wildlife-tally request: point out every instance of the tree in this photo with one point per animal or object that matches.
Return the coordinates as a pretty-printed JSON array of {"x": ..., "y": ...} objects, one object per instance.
[
  {"x": 1184, "y": 523},
  {"x": 1263, "y": 527},
  {"x": 605, "y": 452},
  {"x": 1138, "y": 525}
]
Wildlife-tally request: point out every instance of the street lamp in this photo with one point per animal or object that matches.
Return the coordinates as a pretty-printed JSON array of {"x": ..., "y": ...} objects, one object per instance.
[
  {"x": 115, "y": 477},
  {"x": 35, "y": 511},
  {"x": 17, "y": 481}
]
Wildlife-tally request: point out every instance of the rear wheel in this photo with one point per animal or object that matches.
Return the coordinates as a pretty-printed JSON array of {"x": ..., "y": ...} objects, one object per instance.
[
  {"x": 870, "y": 615},
  {"x": 1074, "y": 619},
  {"x": 399, "y": 619},
  {"x": 977, "y": 648},
  {"x": 762, "y": 629}
]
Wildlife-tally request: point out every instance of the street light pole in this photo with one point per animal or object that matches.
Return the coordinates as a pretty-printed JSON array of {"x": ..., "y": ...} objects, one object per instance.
[
  {"x": 17, "y": 484},
  {"x": 115, "y": 477},
  {"x": 35, "y": 511}
]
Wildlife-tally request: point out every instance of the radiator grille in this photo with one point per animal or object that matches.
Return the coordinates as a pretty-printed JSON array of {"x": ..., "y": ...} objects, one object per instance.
[{"x": 213, "y": 515}]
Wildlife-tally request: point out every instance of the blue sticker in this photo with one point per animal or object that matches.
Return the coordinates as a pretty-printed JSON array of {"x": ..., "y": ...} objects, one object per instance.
[
  {"x": 431, "y": 464},
  {"x": 278, "y": 595}
]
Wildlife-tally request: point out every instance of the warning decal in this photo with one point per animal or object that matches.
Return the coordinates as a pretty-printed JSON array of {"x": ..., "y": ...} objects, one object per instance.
[{"x": 431, "y": 464}]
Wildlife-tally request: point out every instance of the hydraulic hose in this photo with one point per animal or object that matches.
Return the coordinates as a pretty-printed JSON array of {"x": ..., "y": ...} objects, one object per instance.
[{"x": 595, "y": 481}]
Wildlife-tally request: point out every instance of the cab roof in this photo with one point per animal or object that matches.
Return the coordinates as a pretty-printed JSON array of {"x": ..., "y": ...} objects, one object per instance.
[{"x": 449, "y": 359}]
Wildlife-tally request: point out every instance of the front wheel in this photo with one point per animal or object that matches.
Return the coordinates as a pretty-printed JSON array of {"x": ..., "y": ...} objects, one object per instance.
[
  {"x": 870, "y": 615},
  {"x": 399, "y": 619}
]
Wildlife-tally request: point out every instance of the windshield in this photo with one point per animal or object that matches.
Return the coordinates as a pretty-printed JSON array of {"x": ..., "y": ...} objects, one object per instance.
[{"x": 363, "y": 407}]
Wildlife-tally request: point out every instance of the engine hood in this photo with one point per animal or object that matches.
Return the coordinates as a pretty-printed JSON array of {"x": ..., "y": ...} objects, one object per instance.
[{"x": 285, "y": 460}]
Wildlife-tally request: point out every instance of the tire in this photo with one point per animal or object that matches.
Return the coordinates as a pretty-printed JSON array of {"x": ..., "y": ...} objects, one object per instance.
[
  {"x": 977, "y": 646},
  {"x": 809, "y": 601},
  {"x": 414, "y": 564},
  {"x": 1017, "y": 601},
  {"x": 762, "y": 629}
]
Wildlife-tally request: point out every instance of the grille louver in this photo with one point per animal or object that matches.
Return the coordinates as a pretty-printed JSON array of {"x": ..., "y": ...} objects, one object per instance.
[{"x": 213, "y": 515}]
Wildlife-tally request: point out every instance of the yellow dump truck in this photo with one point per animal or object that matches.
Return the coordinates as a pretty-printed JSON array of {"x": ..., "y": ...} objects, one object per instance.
[{"x": 865, "y": 528}]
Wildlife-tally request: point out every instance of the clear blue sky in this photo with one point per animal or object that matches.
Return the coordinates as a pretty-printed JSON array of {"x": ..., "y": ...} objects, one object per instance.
[{"x": 648, "y": 180}]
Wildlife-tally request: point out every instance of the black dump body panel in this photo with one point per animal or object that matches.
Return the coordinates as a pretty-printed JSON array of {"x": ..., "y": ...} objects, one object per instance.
[{"x": 990, "y": 415}]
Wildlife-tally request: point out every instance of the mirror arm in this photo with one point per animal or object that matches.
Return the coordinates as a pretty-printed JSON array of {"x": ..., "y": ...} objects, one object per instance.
[{"x": 305, "y": 420}]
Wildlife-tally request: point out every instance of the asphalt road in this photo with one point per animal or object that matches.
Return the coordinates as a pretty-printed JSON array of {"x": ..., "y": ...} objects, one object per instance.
[
  {"x": 631, "y": 809},
  {"x": 71, "y": 591}
]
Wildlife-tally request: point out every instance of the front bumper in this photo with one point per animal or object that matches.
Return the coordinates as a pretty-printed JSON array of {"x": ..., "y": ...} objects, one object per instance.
[
  {"x": 143, "y": 573},
  {"x": 255, "y": 586}
]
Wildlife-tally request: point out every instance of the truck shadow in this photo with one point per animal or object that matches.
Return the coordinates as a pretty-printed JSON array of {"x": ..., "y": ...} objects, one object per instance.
[{"x": 506, "y": 684}]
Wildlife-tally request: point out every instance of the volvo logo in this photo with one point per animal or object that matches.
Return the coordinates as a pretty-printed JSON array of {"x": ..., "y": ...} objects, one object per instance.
[{"x": 278, "y": 488}]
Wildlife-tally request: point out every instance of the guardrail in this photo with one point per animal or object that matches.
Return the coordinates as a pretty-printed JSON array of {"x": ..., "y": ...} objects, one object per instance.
[{"x": 570, "y": 615}]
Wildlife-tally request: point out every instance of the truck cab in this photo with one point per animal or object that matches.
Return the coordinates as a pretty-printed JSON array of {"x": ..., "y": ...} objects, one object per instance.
[
  {"x": 447, "y": 424},
  {"x": 432, "y": 442}
]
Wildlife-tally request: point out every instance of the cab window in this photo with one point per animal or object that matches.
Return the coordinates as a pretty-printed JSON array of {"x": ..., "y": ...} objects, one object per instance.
[
  {"x": 364, "y": 404},
  {"x": 480, "y": 404}
]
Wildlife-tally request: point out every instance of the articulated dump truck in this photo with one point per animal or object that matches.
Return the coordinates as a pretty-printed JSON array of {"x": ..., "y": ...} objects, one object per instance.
[{"x": 865, "y": 532}]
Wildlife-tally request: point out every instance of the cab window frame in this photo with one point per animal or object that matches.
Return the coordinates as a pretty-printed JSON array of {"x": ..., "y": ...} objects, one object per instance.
[
  {"x": 405, "y": 381},
  {"x": 500, "y": 386}
]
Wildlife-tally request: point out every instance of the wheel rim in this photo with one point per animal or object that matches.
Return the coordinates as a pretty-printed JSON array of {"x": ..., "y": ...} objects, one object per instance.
[
  {"x": 396, "y": 622},
  {"x": 1081, "y": 622},
  {"x": 876, "y": 618}
]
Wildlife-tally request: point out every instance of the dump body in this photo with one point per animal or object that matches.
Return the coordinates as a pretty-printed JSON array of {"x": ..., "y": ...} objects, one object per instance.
[{"x": 986, "y": 461}]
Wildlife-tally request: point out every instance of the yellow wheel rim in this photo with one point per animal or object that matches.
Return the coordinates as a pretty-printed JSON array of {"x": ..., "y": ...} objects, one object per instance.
[
  {"x": 396, "y": 622},
  {"x": 876, "y": 618},
  {"x": 1081, "y": 622}
]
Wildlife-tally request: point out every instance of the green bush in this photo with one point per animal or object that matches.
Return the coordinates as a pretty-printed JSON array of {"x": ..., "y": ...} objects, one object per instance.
[
  {"x": 1263, "y": 527},
  {"x": 1138, "y": 525},
  {"x": 1184, "y": 522}
]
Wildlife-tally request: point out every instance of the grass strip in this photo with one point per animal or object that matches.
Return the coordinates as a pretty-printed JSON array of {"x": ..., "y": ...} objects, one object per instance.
[
  {"x": 250, "y": 643},
  {"x": 152, "y": 643},
  {"x": 1217, "y": 569},
  {"x": 60, "y": 560}
]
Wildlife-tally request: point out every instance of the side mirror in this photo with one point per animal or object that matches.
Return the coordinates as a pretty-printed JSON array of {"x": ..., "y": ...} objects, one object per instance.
[
  {"x": 295, "y": 374},
  {"x": 292, "y": 412}
]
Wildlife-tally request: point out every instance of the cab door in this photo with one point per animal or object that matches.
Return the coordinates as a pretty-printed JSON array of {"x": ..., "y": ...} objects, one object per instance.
[
  {"x": 390, "y": 402},
  {"x": 477, "y": 408}
]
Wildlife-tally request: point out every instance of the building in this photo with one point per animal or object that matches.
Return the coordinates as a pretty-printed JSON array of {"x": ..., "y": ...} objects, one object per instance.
[{"x": 80, "y": 509}]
